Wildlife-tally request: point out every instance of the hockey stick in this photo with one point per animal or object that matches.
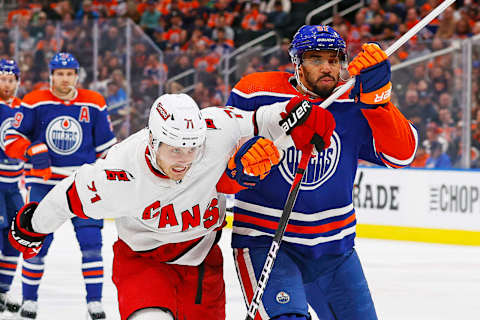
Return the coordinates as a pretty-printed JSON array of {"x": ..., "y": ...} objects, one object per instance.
[
  {"x": 277, "y": 238},
  {"x": 294, "y": 189}
]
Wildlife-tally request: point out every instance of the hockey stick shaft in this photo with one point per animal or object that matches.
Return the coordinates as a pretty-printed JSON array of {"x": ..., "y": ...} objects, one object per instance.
[
  {"x": 294, "y": 189},
  {"x": 277, "y": 238},
  {"x": 394, "y": 47}
]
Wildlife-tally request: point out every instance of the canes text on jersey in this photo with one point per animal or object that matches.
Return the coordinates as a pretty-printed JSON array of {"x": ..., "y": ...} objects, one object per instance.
[{"x": 189, "y": 219}]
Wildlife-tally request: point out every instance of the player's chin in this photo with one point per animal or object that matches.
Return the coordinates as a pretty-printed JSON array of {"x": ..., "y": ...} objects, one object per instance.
[{"x": 324, "y": 90}]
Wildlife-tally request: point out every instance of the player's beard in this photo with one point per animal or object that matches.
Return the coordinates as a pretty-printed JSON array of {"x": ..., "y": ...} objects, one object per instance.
[
  {"x": 322, "y": 90},
  {"x": 6, "y": 94}
]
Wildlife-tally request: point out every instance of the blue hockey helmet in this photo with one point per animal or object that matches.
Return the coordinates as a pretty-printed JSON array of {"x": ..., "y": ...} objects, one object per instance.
[
  {"x": 63, "y": 60},
  {"x": 314, "y": 38},
  {"x": 9, "y": 67}
]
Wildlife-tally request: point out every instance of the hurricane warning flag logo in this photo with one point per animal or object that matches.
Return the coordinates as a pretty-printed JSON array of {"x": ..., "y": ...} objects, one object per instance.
[
  {"x": 64, "y": 135},
  {"x": 319, "y": 169}
]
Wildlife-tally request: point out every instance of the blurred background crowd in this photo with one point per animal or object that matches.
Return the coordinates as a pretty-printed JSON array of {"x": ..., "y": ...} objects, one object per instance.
[{"x": 133, "y": 50}]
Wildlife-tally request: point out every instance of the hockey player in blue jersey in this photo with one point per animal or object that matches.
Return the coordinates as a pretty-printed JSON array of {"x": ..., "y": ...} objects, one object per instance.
[
  {"x": 10, "y": 172},
  {"x": 63, "y": 127},
  {"x": 317, "y": 264}
]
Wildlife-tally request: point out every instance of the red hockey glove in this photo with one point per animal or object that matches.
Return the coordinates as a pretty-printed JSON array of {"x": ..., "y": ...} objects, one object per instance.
[
  {"x": 253, "y": 161},
  {"x": 307, "y": 124},
  {"x": 21, "y": 235},
  {"x": 37, "y": 154},
  {"x": 372, "y": 83}
]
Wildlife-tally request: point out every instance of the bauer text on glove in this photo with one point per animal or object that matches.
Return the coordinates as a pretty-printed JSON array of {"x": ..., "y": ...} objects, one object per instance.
[
  {"x": 372, "y": 77},
  {"x": 21, "y": 235},
  {"x": 307, "y": 124}
]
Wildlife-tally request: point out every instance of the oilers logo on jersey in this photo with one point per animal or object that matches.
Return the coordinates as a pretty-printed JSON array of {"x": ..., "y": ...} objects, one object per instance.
[
  {"x": 64, "y": 135},
  {"x": 320, "y": 168},
  {"x": 6, "y": 124}
]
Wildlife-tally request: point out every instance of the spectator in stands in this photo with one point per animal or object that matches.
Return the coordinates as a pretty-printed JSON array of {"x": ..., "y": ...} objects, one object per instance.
[
  {"x": 377, "y": 26},
  {"x": 446, "y": 28},
  {"x": 175, "y": 35},
  {"x": 373, "y": 9},
  {"x": 111, "y": 40},
  {"x": 116, "y": 97},
  {"x": 396, "y": 7},
  {"x": 277, "y": 18},
  {"x": 26, "y": 43},
  {"x": 4, "y": 41},
  {"x": 253, "y": 21},
  {"x": 87, "y": 13},
  {"x": 38, "y": 25},
  {"x": 150, "y": 18},
  {"x": 222, "y": 44},
  {"x": 433, "y": 134},
  {"x": 222, "y": 24},
  {"x": 22, "y": 10},
  {"x": 273, "y": 64},
  {"x": 409, "y": 106},
  {"x": 438, "y": 159},
  {"x": 463, "y": 29}
]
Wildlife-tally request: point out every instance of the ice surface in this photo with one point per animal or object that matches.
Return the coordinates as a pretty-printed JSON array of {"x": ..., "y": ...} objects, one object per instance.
[{"x": 408, "y": 280}]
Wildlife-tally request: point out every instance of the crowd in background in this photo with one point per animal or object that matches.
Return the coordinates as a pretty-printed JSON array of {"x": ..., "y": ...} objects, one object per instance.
[{"x": 198, "y": 34}]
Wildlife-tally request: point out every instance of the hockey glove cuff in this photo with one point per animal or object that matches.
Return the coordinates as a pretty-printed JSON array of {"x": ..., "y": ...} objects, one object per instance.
[
  {"x": 37, "y": 154},
  {"x": 21, "y": 235},
  {"x": 253, "y": 161},
  {"x": 372, "y": 71}
]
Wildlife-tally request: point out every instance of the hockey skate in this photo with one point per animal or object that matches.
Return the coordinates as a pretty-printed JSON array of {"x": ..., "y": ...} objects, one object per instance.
[
  {"x": 7, "y": 304},
  {"x": 28, "y": 310},
  {"x": 95, "y": 311}
]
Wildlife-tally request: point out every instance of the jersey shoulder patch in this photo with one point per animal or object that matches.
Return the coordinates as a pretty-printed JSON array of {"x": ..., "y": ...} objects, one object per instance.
[
  {"x": 37, "y": 96},
  {"x": 275, "y": 82},
  {"x": 91, "y": 98}
]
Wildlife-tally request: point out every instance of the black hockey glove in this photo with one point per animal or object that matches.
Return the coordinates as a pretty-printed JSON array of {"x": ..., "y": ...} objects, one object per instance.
[{"x": 21, "y": 235}]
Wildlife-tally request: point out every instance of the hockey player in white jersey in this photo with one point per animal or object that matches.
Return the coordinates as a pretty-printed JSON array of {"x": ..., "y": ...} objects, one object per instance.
[{"x": 162, "y": 186}]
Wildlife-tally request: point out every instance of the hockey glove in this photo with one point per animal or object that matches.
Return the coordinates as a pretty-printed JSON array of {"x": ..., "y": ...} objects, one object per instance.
[
  {"x": 307, "y": 124},
  {"x": 253, "y": 161},
  {"x": 37, "y": 154},
  {"x": 21, "y": 235},
  {"x": 372, "y": 71}
]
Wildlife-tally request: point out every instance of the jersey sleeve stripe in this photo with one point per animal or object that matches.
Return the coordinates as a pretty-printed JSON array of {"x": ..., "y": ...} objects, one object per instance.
[
  {"x": 74, "y": 202},
  {"x": 402, "y": 163},
  {"x": 106, "y": 145}
]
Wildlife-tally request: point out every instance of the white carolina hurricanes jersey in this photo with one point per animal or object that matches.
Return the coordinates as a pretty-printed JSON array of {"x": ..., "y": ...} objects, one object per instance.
[{"x": 150, "y": 209}]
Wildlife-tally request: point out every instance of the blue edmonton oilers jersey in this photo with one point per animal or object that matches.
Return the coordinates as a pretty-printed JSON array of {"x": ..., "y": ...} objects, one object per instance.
[
  {"x": 10, "y": 169},
  {"x": 323, "y": 218},
  {"x": 76, "y": 132}
]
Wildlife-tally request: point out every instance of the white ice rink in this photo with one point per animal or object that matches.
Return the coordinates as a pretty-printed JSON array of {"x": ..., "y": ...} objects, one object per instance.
[{"x": 413, "y": 281}]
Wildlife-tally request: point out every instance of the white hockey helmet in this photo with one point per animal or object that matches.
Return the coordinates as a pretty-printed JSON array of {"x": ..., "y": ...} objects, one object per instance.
[{"x": 175, "y": 119}]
